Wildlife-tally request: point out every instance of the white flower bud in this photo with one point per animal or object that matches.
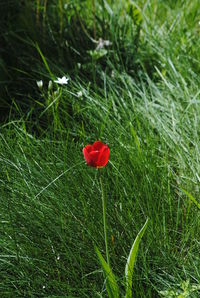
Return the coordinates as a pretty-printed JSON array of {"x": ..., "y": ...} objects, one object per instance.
[
  {"x": 50, "y": 85},
  {"x": 40, "y": 84}
]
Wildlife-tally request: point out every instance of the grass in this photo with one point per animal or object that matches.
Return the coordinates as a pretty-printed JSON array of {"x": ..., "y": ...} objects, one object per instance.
[{"x": 51, "y": 213}]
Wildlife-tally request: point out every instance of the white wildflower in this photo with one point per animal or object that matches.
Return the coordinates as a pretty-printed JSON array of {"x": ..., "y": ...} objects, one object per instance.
[
  {"x": 62, "y": 81},
  {"x": 80, "y": 94},
  {"x": 40, "y": 84},
  {"x": 102, "y": 43}
]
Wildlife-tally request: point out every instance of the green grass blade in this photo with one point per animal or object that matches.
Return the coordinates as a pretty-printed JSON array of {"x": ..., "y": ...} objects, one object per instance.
[
  {"x": 108, "y": 8},
  {"x": 131, "y": 260},
  {"x": 44, "y": 61},
  {"x": 136, "y": 139},
  {"x": 191, "y": 198},
  {"x": 111, "y": 284}
]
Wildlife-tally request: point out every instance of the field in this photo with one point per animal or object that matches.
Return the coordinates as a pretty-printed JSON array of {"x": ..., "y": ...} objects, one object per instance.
[{"x": 132, "y": 70}]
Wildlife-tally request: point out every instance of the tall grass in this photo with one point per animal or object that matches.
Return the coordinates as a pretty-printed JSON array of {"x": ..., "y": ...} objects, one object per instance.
[{"x": 144, "y": 103}]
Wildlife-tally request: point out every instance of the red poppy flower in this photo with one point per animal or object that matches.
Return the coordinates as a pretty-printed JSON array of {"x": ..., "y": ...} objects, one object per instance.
[{"x": 96, "y": 155}]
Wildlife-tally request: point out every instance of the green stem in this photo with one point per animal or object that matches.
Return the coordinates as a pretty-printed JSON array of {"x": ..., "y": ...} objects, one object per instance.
[{"x": 104, "y": 220}]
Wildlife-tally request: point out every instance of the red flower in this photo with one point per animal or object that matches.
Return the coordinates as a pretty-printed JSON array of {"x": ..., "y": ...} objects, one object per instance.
[{"x": 96, "y": 155}]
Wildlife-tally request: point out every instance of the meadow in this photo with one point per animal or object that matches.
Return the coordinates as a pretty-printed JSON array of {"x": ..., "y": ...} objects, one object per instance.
[{"x": 132, "y": 70}]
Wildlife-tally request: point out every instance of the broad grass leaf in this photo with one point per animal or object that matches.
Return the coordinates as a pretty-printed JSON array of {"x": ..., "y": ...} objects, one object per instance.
[
  {"x": 134, "y": 13},
  {"x": 111, "y": 284},
  {"x": 131, "y": 260}
]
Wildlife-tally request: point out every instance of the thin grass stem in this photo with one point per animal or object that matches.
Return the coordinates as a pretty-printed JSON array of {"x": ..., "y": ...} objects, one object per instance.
[{"x": 104, "y": 219}]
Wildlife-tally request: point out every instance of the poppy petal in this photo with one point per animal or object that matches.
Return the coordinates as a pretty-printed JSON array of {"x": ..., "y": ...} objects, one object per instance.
[
  {"x": 87, "y": 155},
  {"x": 97, "y": 145},
  {"x": 94, "y": 155},
  {"x": 103, "y": 156},
  {"x": 88, "y": 148}
]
